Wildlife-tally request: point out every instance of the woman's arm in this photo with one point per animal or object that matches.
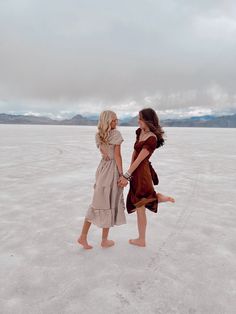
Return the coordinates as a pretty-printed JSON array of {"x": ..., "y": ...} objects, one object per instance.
[
  {"x": 141, "y": 156},
  {"x": 132, "y": 158},
  {"x": 148, "y": 147},
  {"x": 118, "y": 159}
]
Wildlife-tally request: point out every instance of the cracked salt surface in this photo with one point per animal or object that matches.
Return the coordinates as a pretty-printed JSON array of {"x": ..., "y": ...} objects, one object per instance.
[{"x": 46, "y": 180}]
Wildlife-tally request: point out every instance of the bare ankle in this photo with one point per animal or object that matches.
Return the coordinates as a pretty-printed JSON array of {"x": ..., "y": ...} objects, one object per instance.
[{"x": 83, "y": 236}]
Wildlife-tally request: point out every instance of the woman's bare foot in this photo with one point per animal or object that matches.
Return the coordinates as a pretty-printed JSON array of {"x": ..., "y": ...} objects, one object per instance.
[
  {"x": 84, "y": 243},
  {"x": 107, "y": 243},
  {"x": 163, "y": 198},
  {"x": 137, "y": 242}
]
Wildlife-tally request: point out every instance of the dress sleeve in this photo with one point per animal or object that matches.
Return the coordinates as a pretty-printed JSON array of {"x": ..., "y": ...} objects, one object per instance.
[
  {"x": 150, "y": 144},
  {"x": 116, "y": 138}
]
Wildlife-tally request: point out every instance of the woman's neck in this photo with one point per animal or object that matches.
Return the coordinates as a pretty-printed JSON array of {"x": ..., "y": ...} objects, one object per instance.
[{"x": 146, "y": 130}]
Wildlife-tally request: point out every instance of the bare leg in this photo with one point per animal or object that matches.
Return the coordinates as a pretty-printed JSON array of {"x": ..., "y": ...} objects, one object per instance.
[
  {"x": 105, "y": 242},
  {"x": 142, "y": 223},
  {"x": 83, "y": 236},
  {"x": 163, "y": 198}
]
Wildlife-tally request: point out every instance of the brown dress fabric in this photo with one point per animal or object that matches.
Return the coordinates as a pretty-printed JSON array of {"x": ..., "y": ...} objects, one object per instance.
[{"x": 141, "y": 189}]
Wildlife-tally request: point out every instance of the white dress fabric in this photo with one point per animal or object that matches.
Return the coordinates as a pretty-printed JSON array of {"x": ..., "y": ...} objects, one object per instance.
[{"x": 108, "y": 207}]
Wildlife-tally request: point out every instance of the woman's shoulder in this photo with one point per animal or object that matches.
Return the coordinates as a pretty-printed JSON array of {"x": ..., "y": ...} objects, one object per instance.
[
  {"x": 115, "y": 137},
  {"x": 114, "y": 131},
  {"x": 150, "y": 143},
  {"x": 151, "y": 134}
]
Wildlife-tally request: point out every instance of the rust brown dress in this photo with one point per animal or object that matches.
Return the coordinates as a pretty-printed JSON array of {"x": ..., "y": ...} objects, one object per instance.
[{"x": 141, "y": 189}]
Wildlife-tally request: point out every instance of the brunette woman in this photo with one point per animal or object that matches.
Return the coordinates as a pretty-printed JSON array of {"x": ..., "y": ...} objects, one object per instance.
[{"x": 141, "y": 174}]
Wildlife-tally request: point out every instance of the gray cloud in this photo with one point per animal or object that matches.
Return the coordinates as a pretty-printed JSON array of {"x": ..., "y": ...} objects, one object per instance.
[{"x": 82, "y": 56}]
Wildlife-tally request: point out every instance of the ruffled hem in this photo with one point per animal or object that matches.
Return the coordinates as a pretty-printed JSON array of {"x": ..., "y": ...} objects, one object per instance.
[
  {"x": 103, "y": 218},
  {"x": 145, "y": 201},
  {"x": 150, "y": 203}
]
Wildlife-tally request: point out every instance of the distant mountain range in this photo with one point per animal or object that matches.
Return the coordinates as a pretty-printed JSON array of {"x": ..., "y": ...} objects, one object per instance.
[
  {"x": 228, "y": 121},
  {"x": 30, "y": 119}
]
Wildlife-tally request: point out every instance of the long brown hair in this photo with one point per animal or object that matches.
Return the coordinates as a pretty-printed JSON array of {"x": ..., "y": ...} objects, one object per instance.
[{"x": 149, "y": 116}]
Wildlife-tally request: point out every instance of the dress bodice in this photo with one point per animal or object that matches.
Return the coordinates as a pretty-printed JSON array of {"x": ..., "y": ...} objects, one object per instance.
[
  {"x": 150, "y": 143},
  {"x": 114, "y": 138}
]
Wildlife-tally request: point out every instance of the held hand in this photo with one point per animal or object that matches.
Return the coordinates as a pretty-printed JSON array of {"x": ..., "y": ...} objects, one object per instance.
[{"x": 122, "y": 182}]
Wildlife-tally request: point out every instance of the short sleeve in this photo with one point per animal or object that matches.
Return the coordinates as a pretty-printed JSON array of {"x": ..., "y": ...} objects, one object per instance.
[
  {"x": 115, "y": 137},
  {"x": 150, "y": 144}
]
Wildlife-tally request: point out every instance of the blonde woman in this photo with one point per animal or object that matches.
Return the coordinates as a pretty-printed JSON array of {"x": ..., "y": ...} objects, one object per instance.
[{"x": 107, "y": 208}]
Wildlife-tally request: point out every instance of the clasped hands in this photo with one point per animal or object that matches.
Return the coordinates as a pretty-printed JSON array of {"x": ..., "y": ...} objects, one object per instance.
[{"x": 122, "y": 182}]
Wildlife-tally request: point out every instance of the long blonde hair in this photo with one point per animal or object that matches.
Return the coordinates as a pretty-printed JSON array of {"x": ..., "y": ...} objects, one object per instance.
[{"x": 104, "y": 125}]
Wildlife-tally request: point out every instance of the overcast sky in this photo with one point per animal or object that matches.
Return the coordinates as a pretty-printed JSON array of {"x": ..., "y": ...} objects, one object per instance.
[{"x": 59, "y": 58}]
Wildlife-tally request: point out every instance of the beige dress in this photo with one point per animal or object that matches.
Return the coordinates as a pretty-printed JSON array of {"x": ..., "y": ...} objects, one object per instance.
[{"x": 108, "y": 207}]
